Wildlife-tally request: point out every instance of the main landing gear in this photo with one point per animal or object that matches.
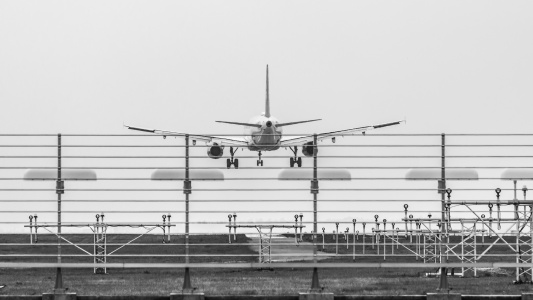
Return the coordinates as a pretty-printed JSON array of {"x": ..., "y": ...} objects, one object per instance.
[
  {"x": 259, "y": 161},
  {"x": 296, "y": 160},
  {"x": 232, "y": 161}
]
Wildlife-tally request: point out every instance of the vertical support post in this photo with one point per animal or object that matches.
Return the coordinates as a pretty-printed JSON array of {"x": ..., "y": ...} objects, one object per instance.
[
  {"x": 60, "y": 189},
  {"x": 417, "y": 240},
  {"x": 168, "y": 217},
  {"x": 392, "y": 240},
  {"x": 261, "y": 254},
  {"x": 164, "y": 226},
  {"x": 36, "y": 227},
  {"x": 411, "y": 229},
  {"x": 518, "y": 252},
  {"x": 229, "y": 228},
  {"x": 354, "y": 233},
  {"x": 347, "y": 235},
  {"x": 530, "y": 220},
  {"x": 384, "y": 239},
  {"x": 483, "y": 230},
  {"x": 31, "y": 229},
  {"x": 323, "y": 238},
  {"x": 315, "y": 287},
  {"x": 296, "y": 229},
  {"x": 364, "y": 236},
  {"x": 301, "y": 226},
  {"x": 397, "y": 238},
  {"x": 337, "y": 238},
  {"x": 405, "y": 206},
  {"x": 235, "y": 226},
  {"x": 443, "y": 286},
  {"x": 475, "y": 249},
  {"x": 187, "y": 191}
]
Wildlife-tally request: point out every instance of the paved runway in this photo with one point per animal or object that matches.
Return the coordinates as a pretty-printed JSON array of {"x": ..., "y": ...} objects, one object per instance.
[{"x": 285, "y": 249}]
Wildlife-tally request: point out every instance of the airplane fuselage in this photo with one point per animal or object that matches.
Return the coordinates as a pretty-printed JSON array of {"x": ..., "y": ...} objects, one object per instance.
[{"x": 266, "y": 138}]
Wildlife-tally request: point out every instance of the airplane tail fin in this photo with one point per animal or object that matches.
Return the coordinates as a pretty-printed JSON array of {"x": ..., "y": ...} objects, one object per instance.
[{"x": 267, "y": 101}]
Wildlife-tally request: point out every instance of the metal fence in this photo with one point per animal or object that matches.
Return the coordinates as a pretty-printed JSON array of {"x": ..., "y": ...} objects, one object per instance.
[{"x": 449, "y": 203}]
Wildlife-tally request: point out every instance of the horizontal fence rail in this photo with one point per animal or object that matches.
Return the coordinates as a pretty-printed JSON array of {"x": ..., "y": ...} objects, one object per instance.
[{"x": 417, "y": 201}]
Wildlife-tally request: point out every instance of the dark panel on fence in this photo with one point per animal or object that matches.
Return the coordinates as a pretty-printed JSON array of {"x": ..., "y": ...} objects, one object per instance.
[
  {"x": 380, "y": 297},
  {"x": 21, "y": 297},
  {"x": 123, "y": 297},
  {"x": 253, "y": 297},
  {"x": 491, "y": 297}
]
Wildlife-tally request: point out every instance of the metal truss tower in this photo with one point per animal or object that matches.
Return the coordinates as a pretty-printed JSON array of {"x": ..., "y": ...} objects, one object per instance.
[
  {"x": 524, "y": 241},
  {"x": 468, "y": 245},
  {"x": 100, "y": 245},
  {"x": 265, "y": 242}
]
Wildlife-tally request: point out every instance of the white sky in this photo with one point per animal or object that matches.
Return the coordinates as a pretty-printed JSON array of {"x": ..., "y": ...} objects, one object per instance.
[
  {"x": 179, "y": 65},
  {"x": 87, "y": 67}
]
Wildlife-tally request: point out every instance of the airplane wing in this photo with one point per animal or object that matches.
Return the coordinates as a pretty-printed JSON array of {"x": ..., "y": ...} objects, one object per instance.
[
  {"x": 221, "y": 140},
  {"x": 300, "y": 140}
]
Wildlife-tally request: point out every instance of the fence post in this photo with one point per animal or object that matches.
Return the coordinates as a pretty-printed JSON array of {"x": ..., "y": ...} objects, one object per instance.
[
  {"x": 315, "y": 287},
  {"x": 60, "y": 189},
  {"x": 187, "y": 190},
  {"x": 443, "y": 285}
]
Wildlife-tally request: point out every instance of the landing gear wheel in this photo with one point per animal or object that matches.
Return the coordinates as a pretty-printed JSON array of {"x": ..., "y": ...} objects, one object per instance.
[
  {"x": 231, "y": 161},
  {"x": 259, "y": 161},
  {"x": 296, "y": 160}
]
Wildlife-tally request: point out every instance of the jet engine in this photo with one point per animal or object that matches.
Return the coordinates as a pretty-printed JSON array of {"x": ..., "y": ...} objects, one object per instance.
[
  {"x": 307, "y": 149},
  {"x": 215, "y": 151}
]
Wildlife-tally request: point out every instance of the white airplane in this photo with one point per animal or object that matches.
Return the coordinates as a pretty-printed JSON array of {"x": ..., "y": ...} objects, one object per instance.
[{"x": 263, "y": 133}]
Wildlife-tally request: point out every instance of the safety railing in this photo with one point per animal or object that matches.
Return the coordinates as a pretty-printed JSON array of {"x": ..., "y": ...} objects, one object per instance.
[{"x": 423, "y": 201}]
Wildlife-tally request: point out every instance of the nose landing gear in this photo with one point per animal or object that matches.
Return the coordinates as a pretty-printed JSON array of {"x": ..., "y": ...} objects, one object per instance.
[
  {"x": 259, "y": 161},
  {"x": 232, "y": 161},
  {"x": 296, "y": 160}
]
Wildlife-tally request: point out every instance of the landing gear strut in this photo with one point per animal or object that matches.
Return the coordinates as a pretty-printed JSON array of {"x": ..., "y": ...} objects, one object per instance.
[
  {"x": 232, "y": 161},
  {"x": 296, "y": 160},
  {"x": 259, "y": 161}
]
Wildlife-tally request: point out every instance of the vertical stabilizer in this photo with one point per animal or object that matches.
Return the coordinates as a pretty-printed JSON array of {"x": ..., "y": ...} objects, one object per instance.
[{"x": 267, "y": 102}]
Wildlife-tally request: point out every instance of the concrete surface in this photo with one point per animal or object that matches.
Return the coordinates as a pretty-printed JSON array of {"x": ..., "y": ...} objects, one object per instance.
[{"x": 284, "y": 249}]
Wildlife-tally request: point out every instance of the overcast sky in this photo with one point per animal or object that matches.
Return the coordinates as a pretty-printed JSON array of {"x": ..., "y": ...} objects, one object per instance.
[
  {"x": 447, "y": 66},
  {"x": 88, "y": 67}
]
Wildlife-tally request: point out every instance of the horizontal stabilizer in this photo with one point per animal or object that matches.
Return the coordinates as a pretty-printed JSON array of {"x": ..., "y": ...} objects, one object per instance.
[
  {"x": 387, "y": 124},
  {"x": 298, "y": 122},
  {"x": 139, "y": 129},
  {"x": 242, "y": 124}
]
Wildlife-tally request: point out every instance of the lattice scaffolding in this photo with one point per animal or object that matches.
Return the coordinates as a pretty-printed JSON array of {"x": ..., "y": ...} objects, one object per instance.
[
  {"x": 100, "y": 244},
  {"x": 468, "y": 245},
  {"x": 524, "y": 243},
  {"x": 265, "y": 235}
]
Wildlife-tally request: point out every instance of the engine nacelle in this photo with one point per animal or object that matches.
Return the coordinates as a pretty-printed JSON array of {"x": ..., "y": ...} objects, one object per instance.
[
  {"x": 215, "y": 151},
  {"x": 307, "y": 149}
]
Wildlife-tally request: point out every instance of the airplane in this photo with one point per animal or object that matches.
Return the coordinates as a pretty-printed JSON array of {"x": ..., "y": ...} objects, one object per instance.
[{"x": 264, "y": 133}]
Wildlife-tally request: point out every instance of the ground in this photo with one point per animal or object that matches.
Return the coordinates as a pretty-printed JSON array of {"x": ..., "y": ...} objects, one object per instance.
[{"x": 230, "y": 281}]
